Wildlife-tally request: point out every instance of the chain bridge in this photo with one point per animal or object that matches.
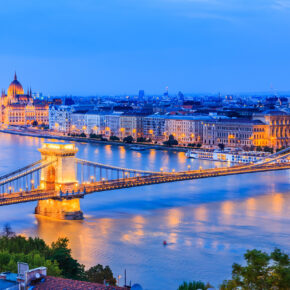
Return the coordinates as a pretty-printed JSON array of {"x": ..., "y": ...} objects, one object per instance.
[{"x": 59, "y": 179}]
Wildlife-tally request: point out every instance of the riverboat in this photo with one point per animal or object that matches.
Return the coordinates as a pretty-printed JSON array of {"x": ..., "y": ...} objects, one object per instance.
[{"x": 227, "y": 155}]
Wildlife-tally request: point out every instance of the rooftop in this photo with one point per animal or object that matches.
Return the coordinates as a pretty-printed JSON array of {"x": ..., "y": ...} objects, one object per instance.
[{"x": 61, "y": 284}]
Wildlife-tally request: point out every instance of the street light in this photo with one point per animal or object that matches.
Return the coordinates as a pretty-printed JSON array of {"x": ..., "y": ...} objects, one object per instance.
[{"x": 188, "y": 166}]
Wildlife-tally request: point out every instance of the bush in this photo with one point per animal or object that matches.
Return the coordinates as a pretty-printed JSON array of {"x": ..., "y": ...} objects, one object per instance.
[
  {"x": 262, "y": 271},
  {"x": 99, "y": 274},
  {"x": 141, "y": 139},
  {"x": 268, "y": 149},
  {"x": 128, "y": 139},
  {"x": 57, "y": 258},
  {"x": 221, "y": 146},
  {"x": 83, "y": 135},
  {"x": 114, "y": 138},
  {"x": 171, "y": 141},
  {"x": 34, "y": 123},
  {"x": 195, "y": 285}
]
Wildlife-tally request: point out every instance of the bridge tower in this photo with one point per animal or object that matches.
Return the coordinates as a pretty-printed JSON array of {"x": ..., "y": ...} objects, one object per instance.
[{"x": 60, "y": 175}]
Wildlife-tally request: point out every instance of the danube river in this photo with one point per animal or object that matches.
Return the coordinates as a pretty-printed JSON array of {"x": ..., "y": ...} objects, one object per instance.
[{"x": 207, "y": 223}]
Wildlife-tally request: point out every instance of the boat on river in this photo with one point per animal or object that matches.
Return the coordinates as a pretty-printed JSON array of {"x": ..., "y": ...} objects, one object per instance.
[{"x": 227, "y": 155}]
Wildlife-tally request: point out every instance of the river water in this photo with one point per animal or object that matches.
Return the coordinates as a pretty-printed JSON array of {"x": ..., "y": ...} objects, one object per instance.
[{"x": 208, "y": 223}]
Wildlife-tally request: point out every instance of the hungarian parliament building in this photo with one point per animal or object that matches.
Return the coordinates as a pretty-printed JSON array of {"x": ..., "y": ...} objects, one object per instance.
[{"x": 18, "y": 108}]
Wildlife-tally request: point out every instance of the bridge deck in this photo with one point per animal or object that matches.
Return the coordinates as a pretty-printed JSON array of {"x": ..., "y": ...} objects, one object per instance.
[{"x": 87, "y": 188}]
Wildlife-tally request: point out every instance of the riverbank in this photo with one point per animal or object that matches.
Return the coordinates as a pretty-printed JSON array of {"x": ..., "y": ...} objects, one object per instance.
[{"x": 47, "y": 135}]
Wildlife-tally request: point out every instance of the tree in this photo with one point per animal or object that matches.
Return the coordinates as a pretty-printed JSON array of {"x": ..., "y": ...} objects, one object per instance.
[
  {"x": 221, "y": 146},
  {"x": 93, "y": 135},
  {"x": 258, "y": 148},
  {"x": 141, "y": 139},
  {"x": 263, "y": 271},
  {"x": 62, "y": 254},
  {"x": 195, "y": 285},
  {"x": 7, "y": 231},
  {"x": 34, "y": 123},
  {"x": 99, "y": 274},
  {"x": 128, "y": 139},
  {"x": 114, "y": 138},
  {"x": 268, "y": 149},
  {"x": 171, "y": 141},
  {"x": 83, "y": 135}
]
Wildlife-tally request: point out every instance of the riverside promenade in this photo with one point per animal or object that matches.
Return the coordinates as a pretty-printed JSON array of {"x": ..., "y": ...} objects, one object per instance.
[{"x": 52, "y": 135}]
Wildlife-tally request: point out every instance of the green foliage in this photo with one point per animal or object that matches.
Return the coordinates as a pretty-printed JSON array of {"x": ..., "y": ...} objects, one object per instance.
[
  {"x": 263, "y": 271},
  {"x": 114, "y": 138},
  {"x": 99, "y": 274},
  {"x": 57, "y": 258},
  {"x": 95, "y": 136},
  {"x": 171, "y": 141},
  {"x": 193, "y": 286},
  {"x": 141, "y": 139},
  {"x": 35, "y": 252},
  {"x": 128, "y": 139},
  {"x": 221, "y": 146},
  {"x": 34, "y": 123},
  {"x": 8, "y": 262},
  {"x": 70, "y": 267},
  {"x": 268, "y": 149}
]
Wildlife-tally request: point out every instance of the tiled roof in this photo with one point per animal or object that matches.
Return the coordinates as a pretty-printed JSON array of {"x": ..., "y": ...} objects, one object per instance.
[{"x": 56, "y": 283}]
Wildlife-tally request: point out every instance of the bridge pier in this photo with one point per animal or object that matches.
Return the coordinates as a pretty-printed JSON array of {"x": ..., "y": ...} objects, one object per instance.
[
  {"x": 59, "y": 176},
  {"x": 65, "y": 209}
]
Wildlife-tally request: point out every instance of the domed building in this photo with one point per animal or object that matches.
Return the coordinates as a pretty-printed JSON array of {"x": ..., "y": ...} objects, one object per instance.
[
  {"x": 18, "y": 108},
  {"x": 15, "y": 88}
]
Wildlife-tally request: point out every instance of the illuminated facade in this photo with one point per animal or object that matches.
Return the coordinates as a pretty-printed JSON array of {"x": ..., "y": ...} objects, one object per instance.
[
  {"x": 278, "y": 127},
  {"x": 17, "y": 108},
  {"x": 185, "y": 129},
  {"x": 235, "y": 133}
]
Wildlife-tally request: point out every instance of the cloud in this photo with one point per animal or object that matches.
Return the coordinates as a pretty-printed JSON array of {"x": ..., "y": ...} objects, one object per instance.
[{"x": 281, "y": 4}]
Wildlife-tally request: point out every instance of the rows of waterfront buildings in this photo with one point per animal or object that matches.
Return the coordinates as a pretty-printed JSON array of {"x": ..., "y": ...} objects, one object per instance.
[
  {"x": 154, "y": 119},
  {"x": 269, "y": 128}
]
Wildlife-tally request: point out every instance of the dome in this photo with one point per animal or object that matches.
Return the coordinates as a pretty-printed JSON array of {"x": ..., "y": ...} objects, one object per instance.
[
  {"x": 136, "y": 287},
  {"x": 15, "y": 88}
]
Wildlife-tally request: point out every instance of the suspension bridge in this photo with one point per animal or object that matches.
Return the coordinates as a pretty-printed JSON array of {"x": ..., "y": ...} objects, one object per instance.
[{"x": 59, "y": 179}]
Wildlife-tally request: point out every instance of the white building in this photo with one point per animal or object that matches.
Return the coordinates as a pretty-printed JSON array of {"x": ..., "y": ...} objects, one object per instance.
[
  {"x": 112, "y": 124},
  {"x": 60, "y": 118},
  {"x": 185, "y": 129},
  {"x": 95, "y": 122},
  {"x": 78, "y": 122},
  {"x": 128, "y": 126}
]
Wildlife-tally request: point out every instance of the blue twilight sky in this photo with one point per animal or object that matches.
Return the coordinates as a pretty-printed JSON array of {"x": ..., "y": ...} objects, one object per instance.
[{"x": 91, "y": 47}]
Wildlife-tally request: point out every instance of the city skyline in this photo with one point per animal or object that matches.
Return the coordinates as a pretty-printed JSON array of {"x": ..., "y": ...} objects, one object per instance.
[{"x": 120, "y": 47}]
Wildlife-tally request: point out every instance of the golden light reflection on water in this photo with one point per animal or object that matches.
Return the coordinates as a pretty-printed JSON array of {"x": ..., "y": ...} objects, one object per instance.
[
  {"x": 174, "y": 217},
  {"x": 181, "y": 157},
  {"x": 122, "y": 152},
  {"x": 227, "y": 209},
  {"x": 152, "y": 155},
  {"x": 200, "y": 213},
  {"x": 135, "y": 235},
  {"x": 108, "y": 150},
  {"x": 93, "y": 239},
  {"x": 251, "y": 207},
  {"x": 278, "y": 201}
]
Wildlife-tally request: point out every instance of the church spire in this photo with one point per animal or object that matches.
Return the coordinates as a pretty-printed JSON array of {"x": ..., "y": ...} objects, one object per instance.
[{"x": 15, "y": 76}]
